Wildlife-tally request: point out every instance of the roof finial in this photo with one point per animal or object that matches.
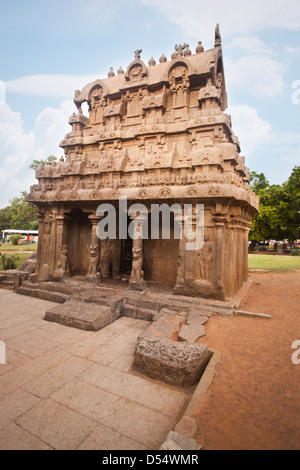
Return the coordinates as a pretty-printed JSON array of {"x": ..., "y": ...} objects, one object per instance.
[
  {"x": 199, "y": 48},
  {"x": 163, "y": 59},
  {"x": 218, "y": 39},
  {"x": 152, "y": 62},
  {"x": 111, "y": 73},
  {"x": 137, "y": 54}
]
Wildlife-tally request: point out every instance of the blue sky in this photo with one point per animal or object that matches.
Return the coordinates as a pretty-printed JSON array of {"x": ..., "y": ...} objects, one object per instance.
[{"x": 50, "y": 48}]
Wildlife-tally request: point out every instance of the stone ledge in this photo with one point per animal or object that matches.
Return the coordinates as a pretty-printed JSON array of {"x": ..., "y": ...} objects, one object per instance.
[
  {"x": 187, "y": 426},
  {"x": 83, "y": 316},
  {"x": 176, "y": 363},
  {"x": 242, "y": 313}
]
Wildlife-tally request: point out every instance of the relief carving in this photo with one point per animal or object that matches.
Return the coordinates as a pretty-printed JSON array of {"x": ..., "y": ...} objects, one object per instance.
[
  {"x": 62, "y": 266},
  {"x": 204, "y": 265},
  {"x": 93, "y": 274}
]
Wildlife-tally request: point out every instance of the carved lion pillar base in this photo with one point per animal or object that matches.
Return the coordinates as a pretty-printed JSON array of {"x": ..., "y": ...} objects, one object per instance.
[
  {"x": 139, "y": 286},
  {"x": 62, "y": 269},
  {"x": 137, "y": 281},
  {"x": 94, "y": 274},
  {"x": 93, "y": 278}
]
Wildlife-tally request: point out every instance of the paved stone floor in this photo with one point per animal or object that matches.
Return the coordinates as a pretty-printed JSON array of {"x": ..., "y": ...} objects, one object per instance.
[{"x": 63, "y": 388}]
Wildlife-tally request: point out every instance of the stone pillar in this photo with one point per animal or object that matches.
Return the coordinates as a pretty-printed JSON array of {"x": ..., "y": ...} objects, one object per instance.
[
  {"x": 246, "y": 239},
  {"x": 230, "y": 259},
  {"x": 186, "y": 272},
  {"x": 46, "y": 254},
  {"x": 62, "y": 269},
  {"x": 218, "y": 267},
  {"x": 94, "y": 272},
  {"x": 52, "y": 258},
  {"x": 41, "y": 217},
  {"x": 137, "y": 281},
  {"x": 180, "y": 281}
]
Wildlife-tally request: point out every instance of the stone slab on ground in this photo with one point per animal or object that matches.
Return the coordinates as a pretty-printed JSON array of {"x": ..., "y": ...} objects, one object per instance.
[
  {"x": 164, "y": 329},
  {"x": 176, "y": 363},
  {"x": 177, "y": 441},
  {"x": 89, "y": 317},
  {"x": 191, "y": 334}
]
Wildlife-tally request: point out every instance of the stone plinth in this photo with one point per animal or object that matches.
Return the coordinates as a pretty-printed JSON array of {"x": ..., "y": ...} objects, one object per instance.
[
  {"x": 176, "y": 363},
  {"x": 90, "y": 317}
]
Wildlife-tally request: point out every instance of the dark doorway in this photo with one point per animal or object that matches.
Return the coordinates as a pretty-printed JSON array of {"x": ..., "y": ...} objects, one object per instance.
[
  {"x": 79, "y": 240},
  {"x": 126, "y": 256},
  {"x": 126, "y": 253}
]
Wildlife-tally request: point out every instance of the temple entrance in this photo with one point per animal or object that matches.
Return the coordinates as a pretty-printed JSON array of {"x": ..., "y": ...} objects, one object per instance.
[
  {"x": 126, "y": 256},
  {"x": 79, "y": 239},
  {"x": 126, "y": 253},
  {"x": 161, "y": 257}
]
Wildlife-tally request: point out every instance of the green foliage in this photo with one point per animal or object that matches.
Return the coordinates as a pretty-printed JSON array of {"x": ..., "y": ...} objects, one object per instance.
[
  {"x": 36, "y": 163},
  {"x": 9, "y": 262},
  {"x": 258, "y": 181},
  {"x": 279, "y": 216},
  {"x": 19, "y": 215},
  {"x": 15, "y": 239}
]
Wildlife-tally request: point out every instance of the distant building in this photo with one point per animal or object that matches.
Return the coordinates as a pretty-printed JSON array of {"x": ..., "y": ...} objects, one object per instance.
[{"x": 30, "y": 235}]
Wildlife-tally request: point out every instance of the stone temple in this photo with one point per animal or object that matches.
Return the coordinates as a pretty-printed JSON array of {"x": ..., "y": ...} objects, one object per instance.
[{"x": 155, "y": 134}]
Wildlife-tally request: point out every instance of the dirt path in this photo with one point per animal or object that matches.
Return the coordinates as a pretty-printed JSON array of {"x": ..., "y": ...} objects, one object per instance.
[{"x": 254, "y": 401}]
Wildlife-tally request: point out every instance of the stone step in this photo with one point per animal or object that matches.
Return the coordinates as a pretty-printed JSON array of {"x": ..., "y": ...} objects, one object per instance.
[
  {"x": 6, "y": 283},
  {"x": 141, "y": 302},
  {"x": 56, "y": 297},
  {"x": 93, "y": 297},
  {"x": 81, "y": 315},
  {"x": 138, "y": 313},
  {"x": 60, "y": 287}
]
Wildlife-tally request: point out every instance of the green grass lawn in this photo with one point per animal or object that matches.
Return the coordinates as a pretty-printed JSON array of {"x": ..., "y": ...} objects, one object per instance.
[
  {"x": 274, "y": 263},
  {"x": 19, "y": 248},
  {"x": 21, "y": 258}
]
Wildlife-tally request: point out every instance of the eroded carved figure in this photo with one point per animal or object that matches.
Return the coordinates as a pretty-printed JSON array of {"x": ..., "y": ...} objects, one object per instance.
[
  {"x": 180, "y": 269},
  {"x": 94, "y": 260},
  {"x": 205, "y": 261},
  {"x": 62, "y": 266},
  {"x": 137, "y": 273}
]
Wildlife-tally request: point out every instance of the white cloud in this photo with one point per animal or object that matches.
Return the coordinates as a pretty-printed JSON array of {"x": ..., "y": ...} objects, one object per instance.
[
  {"x": 2, "y": 92},
  {"x": 59, "y": 86},
  {"x": 252, "y": 131},
  {"x": 51, "y": 126},
  {"x": 197, "y": 18},
  {"x": 18, "y": 148},
  {"x": 292, "y": 49},
  {"x": 259, "y": 75},
  {"x": 250, "y": 44}
]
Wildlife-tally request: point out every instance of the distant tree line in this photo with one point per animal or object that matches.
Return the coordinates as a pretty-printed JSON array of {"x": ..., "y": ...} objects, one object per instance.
[
  {"x": 279, "y": 217},
  {"x": 19, "y": 215}
]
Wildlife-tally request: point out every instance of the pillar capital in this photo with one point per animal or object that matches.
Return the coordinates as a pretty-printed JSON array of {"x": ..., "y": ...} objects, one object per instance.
[
  {"x": 95, "y": 219},
  {"x": 219, "y": 221}
]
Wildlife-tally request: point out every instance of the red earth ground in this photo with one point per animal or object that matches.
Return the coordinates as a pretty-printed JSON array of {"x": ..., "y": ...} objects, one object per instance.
[{"x": 254, "y": 401}]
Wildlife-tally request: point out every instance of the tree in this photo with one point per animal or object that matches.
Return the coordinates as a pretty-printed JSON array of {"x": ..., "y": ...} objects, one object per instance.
[
  {"x": 19, "y": 215},
  {"x": 258, "y": 181},
  {"x": 36, "y": 163},
  {"x": 279, "y": 216}
]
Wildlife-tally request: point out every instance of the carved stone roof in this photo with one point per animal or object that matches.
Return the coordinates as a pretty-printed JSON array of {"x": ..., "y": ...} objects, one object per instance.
[{"x": 204, "y": 64}]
